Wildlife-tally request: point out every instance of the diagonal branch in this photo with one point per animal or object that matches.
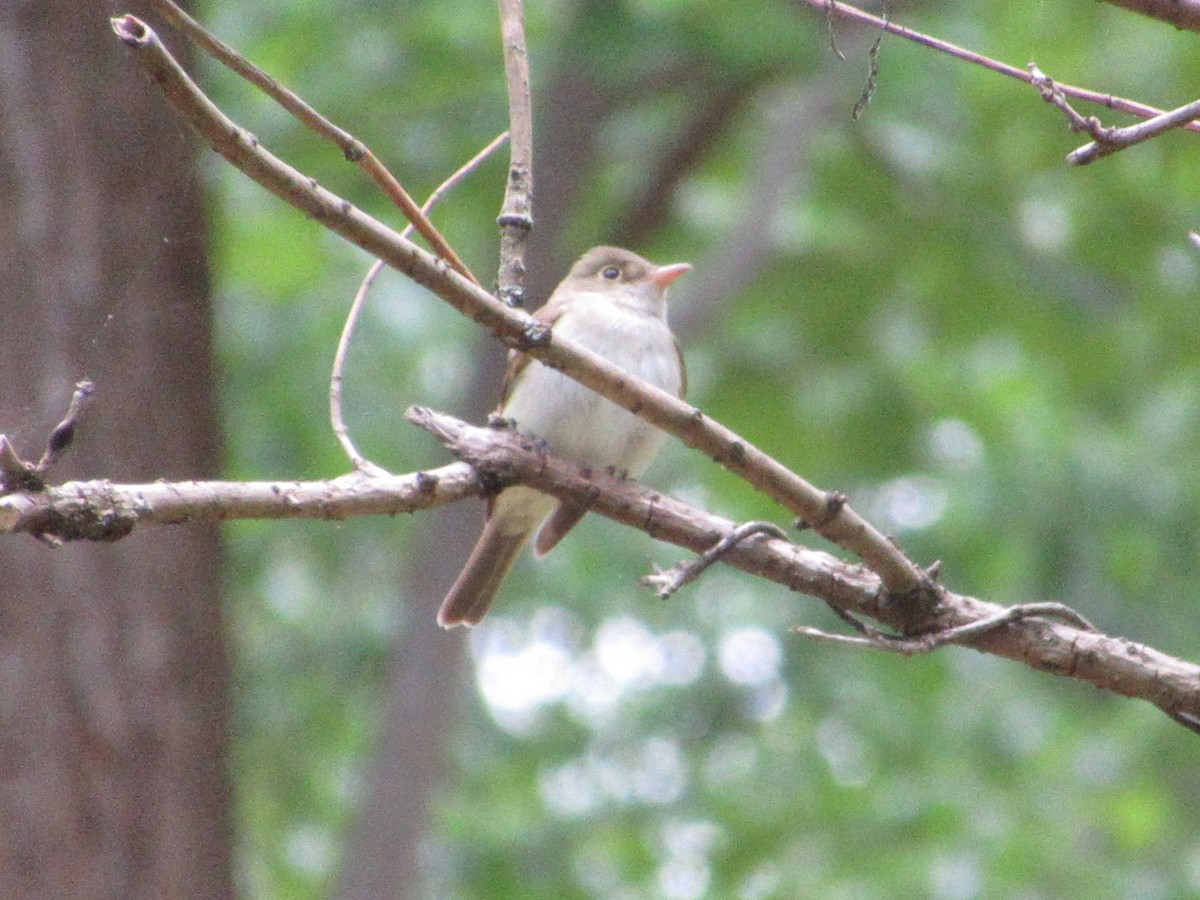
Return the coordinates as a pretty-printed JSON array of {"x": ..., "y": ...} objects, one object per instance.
[
  {"x": 1048, "y": 643},
  {"x": 845, "y": 10},
  {"x": 1107, "y": 141},
  {"x": 1110, "y": 140},
  {"x": 352, "y": 148},
  {"x": 818, "y": 509}
]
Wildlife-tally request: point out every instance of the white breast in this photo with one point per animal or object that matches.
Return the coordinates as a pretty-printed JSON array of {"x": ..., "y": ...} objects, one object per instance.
[{"x": 581, "y": 425}]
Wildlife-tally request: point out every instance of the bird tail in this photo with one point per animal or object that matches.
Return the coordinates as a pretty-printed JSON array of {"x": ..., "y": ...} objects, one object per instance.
[
  {"x": 476, "y": 586},
  {"x": 565, "y": 517}
]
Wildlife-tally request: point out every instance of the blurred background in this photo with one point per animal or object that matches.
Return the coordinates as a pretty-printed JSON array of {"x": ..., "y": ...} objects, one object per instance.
[{"x": 993, "y": 354}]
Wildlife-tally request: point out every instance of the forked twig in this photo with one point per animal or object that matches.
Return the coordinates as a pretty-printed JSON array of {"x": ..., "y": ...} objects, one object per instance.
[
  {"x": 352, "y": 148},
  {"x": 669, "y": 581},
  {"x": 17, "y": 474},
  {"x": 1107, "y": 140},
  {"x": 845, "y": 10},
  {"x": 962, "y": 634},
  {"x": 1112, "y": 140}
]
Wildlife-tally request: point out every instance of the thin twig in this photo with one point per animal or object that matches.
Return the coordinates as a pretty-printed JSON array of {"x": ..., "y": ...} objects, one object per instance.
[
  {"x": 17, "y": 474},
  {"x": 457, "y": 178},
  {"x": 831, "y": 28},
  {"x": 1106, "y": 141},
  {"x": 352, "y": 148},
  {"x": 961, "y": 634},
  {"x": 868, "y": 91},
  {"x": 360, "y": 462},
  {"x": 1107, "y": 100},
  {"x": 671, "y": 580},
  {"x": 1053, "y": 95},
  {"x": 1112, "y": 140},
  {"x": 516, "y": 214},
  {"x": 64, "y": 432}
]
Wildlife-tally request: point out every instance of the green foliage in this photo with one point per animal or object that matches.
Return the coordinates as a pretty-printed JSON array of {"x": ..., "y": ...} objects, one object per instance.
[{"x": 992, "y": 353}]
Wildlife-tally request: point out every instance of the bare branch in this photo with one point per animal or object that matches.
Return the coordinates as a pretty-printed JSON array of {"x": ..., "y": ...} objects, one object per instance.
[
  {"x": 352, "y": 148},
  {"x": 1111, "y": 140},
  {"x": 960, "y": 634},
  {"x": 825, "y": 7},
  {"x": 101, "y": 511},
  {"x": 98, "y": 510},
  {"x": 360, "y": 462},
  {"x": 516, "y": 329},
  {"x": 1107, "y": 141},
  {"x": 666, "y": 583},
  {"x": 516, "y": 215},
  {"x": 1046, "y": 637}
]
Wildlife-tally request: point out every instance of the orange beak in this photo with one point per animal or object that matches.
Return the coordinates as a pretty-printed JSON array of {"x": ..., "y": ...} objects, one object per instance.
[{"x": 664, "y": 275}]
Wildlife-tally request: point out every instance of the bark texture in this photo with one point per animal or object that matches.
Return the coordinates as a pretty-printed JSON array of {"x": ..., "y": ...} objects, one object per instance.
[{"x": 113, "y": 673}]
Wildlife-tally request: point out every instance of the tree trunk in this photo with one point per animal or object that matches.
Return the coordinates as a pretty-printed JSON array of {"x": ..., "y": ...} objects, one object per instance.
[{"x": 114, "y": 712}]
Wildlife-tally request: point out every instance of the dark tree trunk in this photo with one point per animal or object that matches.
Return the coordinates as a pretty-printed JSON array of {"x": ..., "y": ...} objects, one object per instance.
[{"x": 114, "y": 712}]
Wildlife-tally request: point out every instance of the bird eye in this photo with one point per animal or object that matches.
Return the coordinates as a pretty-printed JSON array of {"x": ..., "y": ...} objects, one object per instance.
[{"x": 612, "y": 273}]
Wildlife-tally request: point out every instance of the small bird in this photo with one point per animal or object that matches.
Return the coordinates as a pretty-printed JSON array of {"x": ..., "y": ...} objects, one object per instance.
[{"x": 614, "y": 303}]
